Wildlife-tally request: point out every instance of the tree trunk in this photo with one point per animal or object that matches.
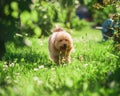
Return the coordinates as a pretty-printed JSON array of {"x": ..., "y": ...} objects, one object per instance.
[
  {"x": 2, "y": 49},
  {"x": 68, "y": 17}
]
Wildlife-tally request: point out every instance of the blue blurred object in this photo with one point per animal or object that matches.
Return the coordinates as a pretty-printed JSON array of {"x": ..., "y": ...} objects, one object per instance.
[
  {"x": 82, "y": 12},
  {"x": 107, "y": 29}
]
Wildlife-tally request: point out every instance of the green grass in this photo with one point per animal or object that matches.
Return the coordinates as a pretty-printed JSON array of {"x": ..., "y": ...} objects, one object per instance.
[{"x": 94, "y": 70}]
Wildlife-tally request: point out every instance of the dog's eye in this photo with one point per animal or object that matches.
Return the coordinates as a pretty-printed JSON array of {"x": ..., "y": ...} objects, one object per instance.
[
  {"x": 66, "y": 40},
  {"x": 60, "y": 40}
]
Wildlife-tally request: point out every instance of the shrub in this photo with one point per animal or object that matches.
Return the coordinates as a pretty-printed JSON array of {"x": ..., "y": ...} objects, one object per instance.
[{"x": 78, "y": 24}]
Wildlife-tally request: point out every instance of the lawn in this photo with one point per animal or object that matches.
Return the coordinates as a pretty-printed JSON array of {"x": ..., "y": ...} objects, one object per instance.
[{"x": 94, "y": 70}]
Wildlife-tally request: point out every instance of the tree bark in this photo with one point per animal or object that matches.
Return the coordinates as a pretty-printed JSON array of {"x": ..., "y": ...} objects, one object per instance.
[
  {"x": 68, "y": 16},
  {"x": 2, "y": 49}
]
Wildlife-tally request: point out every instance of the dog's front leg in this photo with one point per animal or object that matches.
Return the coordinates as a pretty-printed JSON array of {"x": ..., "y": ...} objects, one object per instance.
[
  {"x": 67, "y": 59},
  {"x": 67, "y": 56},
  {"x": 56, "y": 59}
]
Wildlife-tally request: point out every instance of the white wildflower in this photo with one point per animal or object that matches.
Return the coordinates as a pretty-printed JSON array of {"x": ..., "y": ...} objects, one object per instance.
[
  {"x": 5, "y": 67},
  {"x": 45, "y": 16},
  {"x": 12, "y": 65},
  {"x": 41, "y": 66},
  {"x": 35, "y": 78},
  {"x": 38, "y": 81},
  {"x": 27, "y": 42},
  {"x": 36, "y": 69},
  {"x": 52, "y": 69},
  {"x": 85, "y": 65}
]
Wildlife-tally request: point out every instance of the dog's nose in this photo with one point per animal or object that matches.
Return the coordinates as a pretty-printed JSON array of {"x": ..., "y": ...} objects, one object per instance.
[{"x": 65, "y": 45}]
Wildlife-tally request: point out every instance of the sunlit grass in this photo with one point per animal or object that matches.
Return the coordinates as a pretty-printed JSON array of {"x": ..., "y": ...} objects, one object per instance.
[{"x": 28, "y": 71}]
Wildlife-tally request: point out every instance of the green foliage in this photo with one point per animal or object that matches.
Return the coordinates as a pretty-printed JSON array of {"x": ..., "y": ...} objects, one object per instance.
[
  {"x": 116, "y": 36},
  {"x": 27, "y": 71},
  {"x": 113, "y": 4},
  {"x": 8, "y": 18},
  {"x": 66, "y": 3},
  {"x": 77, "y": 24},
  {"x": 2, "y": 75},
  {"x": 38, "y": 22},
  {"x": 27, "y": 20},
  {"x": 46, "y": 14},
  {"x": 102, "y": 14},
  {"x": 27, "y": 55},
  {"x": 33, "y": 20}
]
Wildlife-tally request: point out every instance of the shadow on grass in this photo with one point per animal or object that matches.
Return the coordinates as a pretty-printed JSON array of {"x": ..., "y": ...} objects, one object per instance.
[
  {"x": 29, "y": 57},
  {"x": 115, "y": 76}
]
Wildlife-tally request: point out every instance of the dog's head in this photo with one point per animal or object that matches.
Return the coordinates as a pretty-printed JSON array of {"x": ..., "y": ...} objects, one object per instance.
[{"x": 63, "y": 41}]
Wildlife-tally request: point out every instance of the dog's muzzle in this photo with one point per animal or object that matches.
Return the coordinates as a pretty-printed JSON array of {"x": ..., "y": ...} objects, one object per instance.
[{"x": 64, "y": 47}]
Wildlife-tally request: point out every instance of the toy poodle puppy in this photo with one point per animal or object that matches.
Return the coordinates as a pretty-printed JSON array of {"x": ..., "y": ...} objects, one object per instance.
[{"x": 60, "y": 46}]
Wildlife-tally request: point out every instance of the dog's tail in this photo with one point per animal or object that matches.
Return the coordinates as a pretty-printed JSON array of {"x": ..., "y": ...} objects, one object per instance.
[{"x": 58, "y": 29}]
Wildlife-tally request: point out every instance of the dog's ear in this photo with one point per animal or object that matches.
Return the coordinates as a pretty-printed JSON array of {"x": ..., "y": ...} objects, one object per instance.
[
  {"x": 58, "y": 29},
  {"x": 69, "y": 48}
]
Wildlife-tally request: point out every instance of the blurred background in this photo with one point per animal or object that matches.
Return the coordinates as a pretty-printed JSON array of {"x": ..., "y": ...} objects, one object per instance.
[
  {"x": 25, "y": 66},
  {"x": 36, "y": 18}
]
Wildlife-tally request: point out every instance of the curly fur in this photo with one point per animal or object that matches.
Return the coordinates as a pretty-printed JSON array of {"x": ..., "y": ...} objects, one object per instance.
[{"x": 60, "y": 46}]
